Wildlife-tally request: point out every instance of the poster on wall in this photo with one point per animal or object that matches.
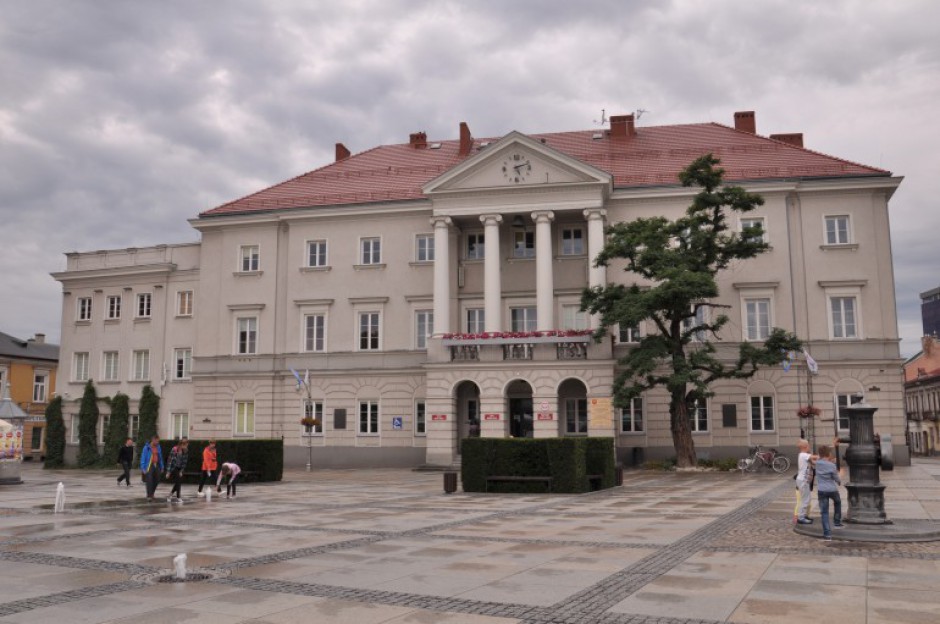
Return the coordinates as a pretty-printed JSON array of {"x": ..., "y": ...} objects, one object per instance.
[
  {"x": 11, "y": 444},
  {"x": 601, "y": 413}
]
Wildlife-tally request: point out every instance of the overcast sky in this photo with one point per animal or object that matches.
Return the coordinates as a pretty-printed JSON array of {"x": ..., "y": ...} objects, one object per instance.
[{"x": 120, "y": 120}]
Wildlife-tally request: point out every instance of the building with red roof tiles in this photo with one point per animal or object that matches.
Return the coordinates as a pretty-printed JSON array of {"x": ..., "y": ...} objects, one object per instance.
[
  {"x": 922, "y": 398},
  {"x": 411, "y": 295}
]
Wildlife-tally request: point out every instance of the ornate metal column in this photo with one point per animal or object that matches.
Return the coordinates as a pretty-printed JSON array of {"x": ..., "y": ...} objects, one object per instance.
[{"x": 866, "y": 493}]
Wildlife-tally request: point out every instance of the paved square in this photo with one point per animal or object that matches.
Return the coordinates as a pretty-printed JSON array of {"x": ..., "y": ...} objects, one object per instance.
[{"x": 389, "y": 546}]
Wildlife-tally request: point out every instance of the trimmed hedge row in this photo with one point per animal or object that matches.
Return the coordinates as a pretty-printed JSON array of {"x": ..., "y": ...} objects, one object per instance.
[
  {"x": 264, "y": 457},
  {"x": 568, "y": 461}
]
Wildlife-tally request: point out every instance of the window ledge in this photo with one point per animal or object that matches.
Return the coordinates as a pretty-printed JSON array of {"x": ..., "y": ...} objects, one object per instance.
[
  {"x": 243, "y": 435},
  {"x": 112, "y": 321},
  {"x": 514, "y": 259},
  {"x": 572, "y": 257},
  {"x": 474, "y": 260},
  {"x": 83, "y": 322},
  {"x": 421, "y": 263},
  {"x": 421, "y": 435},
  {"x": 185, "y": 380},
  {"x": 849, "y": 246},
  {"x": 633, "y": 433},
  {"x": 189, "y": 316},
  {"x": 366, "y": 267},
  {"x": 143, "y": 381},
  {"x": 111, "y": 381},
  {"x": 311, "y": 435},
  {"x": 258, "y": 273},
  {"x": 143, "y": 319},
  {"x": 315, "y": 269}
]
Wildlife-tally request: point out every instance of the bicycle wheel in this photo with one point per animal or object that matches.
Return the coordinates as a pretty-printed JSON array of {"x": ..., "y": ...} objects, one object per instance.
[{"x": 781, "y": 464}]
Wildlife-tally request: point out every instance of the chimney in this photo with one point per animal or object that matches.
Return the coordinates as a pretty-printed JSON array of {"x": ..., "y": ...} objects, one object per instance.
[
  {"x": 793, "y": 138},
  {"x": 40, "y": 339},
  {"x": 622, "y": 126},
  {"x": 745, "y": 122},
  {"x": 341, "y": 152},
  {"x": 466, "y": 141},
  {"x": 418, "y": 140}
]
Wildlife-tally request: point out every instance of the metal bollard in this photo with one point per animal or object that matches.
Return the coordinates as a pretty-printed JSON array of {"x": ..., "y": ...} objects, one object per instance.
[{"x": 450, "y": 482}]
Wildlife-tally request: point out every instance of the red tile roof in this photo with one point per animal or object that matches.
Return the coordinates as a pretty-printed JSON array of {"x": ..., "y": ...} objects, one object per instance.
[{"x": 653, "y": 157}]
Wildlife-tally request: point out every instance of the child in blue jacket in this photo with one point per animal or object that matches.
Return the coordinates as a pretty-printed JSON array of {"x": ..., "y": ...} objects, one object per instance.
[{"x": 151, "y": 465}]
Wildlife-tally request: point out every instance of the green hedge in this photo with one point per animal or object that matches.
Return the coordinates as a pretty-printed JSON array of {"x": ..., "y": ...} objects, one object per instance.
[
  {"x": 264, "y": 457},
  {"x": 568, "y": 461}
]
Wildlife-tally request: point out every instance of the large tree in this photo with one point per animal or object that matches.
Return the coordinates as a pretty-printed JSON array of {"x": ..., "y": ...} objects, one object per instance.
[
  {"x": 88, "y": 428},
  {"x": 675, "y": 264}
]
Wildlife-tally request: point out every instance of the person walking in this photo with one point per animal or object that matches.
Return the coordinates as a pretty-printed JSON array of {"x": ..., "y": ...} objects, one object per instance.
[
  {"x": 230, "y": 470},
  {"x": 209, "y": 465},
  {"x": 151, "y": 465},
  {"x": 827, "y": 489},
  {"x": 126, "y": 458},
  {"x": 175, "y": 466}
]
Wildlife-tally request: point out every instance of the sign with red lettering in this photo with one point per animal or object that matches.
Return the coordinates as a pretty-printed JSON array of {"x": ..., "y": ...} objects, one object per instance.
[
  {"x": 545, "y": 416},
  {"x": 490, "y": 416},
  {"x": 438, "y": 416}
]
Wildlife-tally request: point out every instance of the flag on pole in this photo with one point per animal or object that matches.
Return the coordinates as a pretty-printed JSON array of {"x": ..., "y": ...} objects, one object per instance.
[
  {"x": 787, "y": 361},
  {"x": 810, "y": 362},
  {"x": 297, "y": 377},
  {"x": 307, "y": 379}
]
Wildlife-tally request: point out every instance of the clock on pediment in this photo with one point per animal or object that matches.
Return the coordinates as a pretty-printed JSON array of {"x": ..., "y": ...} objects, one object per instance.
[{"x": 517, "y": 168}]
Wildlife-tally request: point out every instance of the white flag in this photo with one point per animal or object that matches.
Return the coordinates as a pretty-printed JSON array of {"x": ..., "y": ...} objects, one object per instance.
[{"x": 810, "y": 362}]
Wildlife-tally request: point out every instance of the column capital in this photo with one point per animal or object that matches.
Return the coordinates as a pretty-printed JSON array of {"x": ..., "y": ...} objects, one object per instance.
[
  {"x": 593, "y": 214},
  {"x": 543, "y": 216},
  {"x": 491, "y": 219},
  {"x": 440, "y": 221}
]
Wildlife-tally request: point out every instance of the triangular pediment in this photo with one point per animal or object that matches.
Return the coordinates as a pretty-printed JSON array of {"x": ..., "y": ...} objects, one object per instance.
[{"x": 516, "y": 161}]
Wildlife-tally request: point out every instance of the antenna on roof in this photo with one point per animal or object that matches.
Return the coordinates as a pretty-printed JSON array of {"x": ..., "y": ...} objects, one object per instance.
[
  {"x": 640, "y": 112},
  {"x": 603, "y": 121}
]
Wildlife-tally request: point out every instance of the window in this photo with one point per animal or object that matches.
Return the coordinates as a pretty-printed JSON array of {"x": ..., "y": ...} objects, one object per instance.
[
  {"x": 312, "y": 409},
  {"x": 757, "y": 319},
  {"x": 184, "y": 303},
  {"x": 837, "y": 230},
  {"x": 247, "y": 336},
  {"x": 572, "y": 317},
  {"x": 84, "y": 308},
  {"x": 143, "y": 305},
  {"x": 762, "y": 413},
  {"x": 179, "y": 425},
  {"x": 114, "y": 307},
  {"x": 368, "y": 331},
  {"x": 696, "y": 321},
  {"x": 3, "y": 373},
  {"x": 133, "y": 426},
  {"x": 244, "y": 418},
  {"x": 141, "y": 370},
  {"x": 476, "y": 320},
  {"x": 523, "y": 245},
  {"x": 698, "y": 415},
  {"x": 572, "y": 242},
  {"x": 109, "y": 366},
  {"x": 368, "y": 417},
  {"x": 842, "y": 402},
  {"x": 182, "y": 363},
  {"x": 315, "y": 332},
  {"x": 751, "y": 225},
  {"x": 40, "y": 387},
  {"x": 576, "y": 416},
  {"x": 523, "y": 319},
  {"x": 80, "y": 367},
  {"x": 316, "y": 253},
  {"x": 476, "y": 250},
  {"x": 843, "y": 317},
  {"x": 73, "y": 428},
  {"x": 370, "y": 250},
  {"x": 630, "y": 334},
  {"x": 421, "y": 411},
  {"x": 631, "y": 418},
  {"x": 249, "y": 258},
  {"x": 103, "y": 424},
  {"x": 424, "y": 327},
  {"x": 424, "y": 248}
]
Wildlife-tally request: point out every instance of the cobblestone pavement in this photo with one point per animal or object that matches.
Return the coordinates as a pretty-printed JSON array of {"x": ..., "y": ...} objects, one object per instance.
[{"x": 389, "y": 546}]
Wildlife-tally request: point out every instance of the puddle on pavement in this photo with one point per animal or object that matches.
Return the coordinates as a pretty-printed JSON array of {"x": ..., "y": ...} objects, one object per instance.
[{"x": 101, "y": 504}]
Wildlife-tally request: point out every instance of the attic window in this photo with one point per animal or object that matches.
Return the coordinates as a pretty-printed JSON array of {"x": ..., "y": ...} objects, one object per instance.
[
  {"x": 597, "y": 136},
  {"x": 484, "y": 144},
  {"x": 434, "y": 146}
]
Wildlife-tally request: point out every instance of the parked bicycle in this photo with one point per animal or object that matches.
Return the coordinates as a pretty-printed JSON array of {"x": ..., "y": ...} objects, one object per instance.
[{"x": 764, "y": 457}]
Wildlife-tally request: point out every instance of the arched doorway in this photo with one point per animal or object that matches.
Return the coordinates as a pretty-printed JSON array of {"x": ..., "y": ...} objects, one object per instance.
[
  {"x": 467, "y": 402},
  {"x": 519, "y": 404},
  {"x": 572, "y": 406}
]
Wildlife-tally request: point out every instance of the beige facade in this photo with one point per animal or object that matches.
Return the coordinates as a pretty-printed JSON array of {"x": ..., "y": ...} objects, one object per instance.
[{"x": 376, "y": 301}]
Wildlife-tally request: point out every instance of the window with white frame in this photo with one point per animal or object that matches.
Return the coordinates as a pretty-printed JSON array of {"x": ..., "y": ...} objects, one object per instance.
[
  {"x": 3, "y": 379},
  {"x": 133, "y": 426},
  {"x": 109, "y": 366},
  {"x": 476, "y": 250},
  {"x": 315, "y": 333},
  {"x": 424, "y": 248},
  {"x": 370, "y": 250},
  {"x": 179, "y": 425},
  {"x": 246, "y": 337},
  {"x": 143, "y": 305},
  {"x": 103, "y": 423},
  {"x": 80, "y": 366},
  {"x": 631, "y": 418},
  {"x": 369, "y": 331},
  {"x": 696, "y": 321},
  {"x": 184, "y": 303},
  {"x": 73, "y": 428},
  {"x": 757, "y": 318},
  {"x": 837, "y": 230},
  {"x": 476, "y": 320},
  {"x": 40, "y": 387},
  {"x": 630, "y": 334},
  {"x": 84, "y": 308},
  {"x": 842, "y": 402},
  {"x": 316, "y": 253},
  {"x": 523, "y": 245},
  {"x": 424, "y": 327},
  {"x": 368, "y": 417},
  {"x": 182, "y": 363},
  {"x": 573, "y": 317},
  {"x": 576, "y": 416},
  {"x": 312, "y": 409},
  {"x": 141, "y": 365},
  {"x": 113, "y": 310},
  {"x": 523, "y": 319},
  {"x": 762, "y": 413},
  {"x": 244, "y": 418},
  {"x": 421, "y": 415},
  {"x": 249, "y": 258},
  {"x": 843, "y": 317},
  {"x": 572, "y": 241},
  {"x": 698, "y": 415},
  {"x": 753, "y": 229}
]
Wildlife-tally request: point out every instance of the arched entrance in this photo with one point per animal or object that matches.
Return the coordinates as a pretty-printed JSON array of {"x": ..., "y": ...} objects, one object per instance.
[
  {"x": 519, "y": 408},
  {"x": 467, "y": 403},
  {"x": 572, "y": 407}
]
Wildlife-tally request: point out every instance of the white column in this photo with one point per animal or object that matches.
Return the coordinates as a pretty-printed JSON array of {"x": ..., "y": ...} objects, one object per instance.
[
  {"x": 597, "y": 276},
  {"x": 544, "y": 282},
  {"x": 441, "y": 274},
  {"x": 492, "y": 288}
]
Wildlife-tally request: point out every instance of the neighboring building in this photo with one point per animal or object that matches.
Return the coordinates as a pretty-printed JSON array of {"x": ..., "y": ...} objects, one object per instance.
[
  {"x": 29, "y": 367},
  {"x": 930, "y": 312},
  {"x": 922, "y": 398},
  {"x": 386, "y": 274}
]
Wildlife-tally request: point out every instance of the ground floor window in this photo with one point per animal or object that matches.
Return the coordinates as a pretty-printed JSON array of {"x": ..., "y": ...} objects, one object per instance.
[
  {"x": 179, "y": 425},
  {"x": 368, "y": 417},
  {"x": 420, "y": 418},
  {"x": 244, "y": 418},
  {"x": 576, "y": 416},
  {"x": 313, "y": 409},
  {"x": 698, "y": 415},
  {"x": 762, "y": 413},
  {"x": 631, "y": 418},
  {"x": 36, "y": 439}
]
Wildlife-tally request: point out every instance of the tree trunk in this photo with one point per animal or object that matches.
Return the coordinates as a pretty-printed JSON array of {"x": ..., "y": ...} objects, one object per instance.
[{"x": 681, "y": 431}]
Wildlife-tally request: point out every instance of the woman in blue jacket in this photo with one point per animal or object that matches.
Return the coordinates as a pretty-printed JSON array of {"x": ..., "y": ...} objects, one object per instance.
[{"x": 151, "y": 465}]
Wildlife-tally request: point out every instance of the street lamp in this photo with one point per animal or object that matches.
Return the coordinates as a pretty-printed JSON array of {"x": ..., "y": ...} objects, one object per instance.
[{"x": 309, "y": 420}]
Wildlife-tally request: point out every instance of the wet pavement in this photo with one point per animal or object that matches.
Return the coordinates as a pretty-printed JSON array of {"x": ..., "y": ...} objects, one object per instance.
[{"x": 370, "y": 546}]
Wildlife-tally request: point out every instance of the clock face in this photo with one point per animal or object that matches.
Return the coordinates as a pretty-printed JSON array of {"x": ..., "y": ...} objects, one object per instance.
[{"x": 517, "y": 168}]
